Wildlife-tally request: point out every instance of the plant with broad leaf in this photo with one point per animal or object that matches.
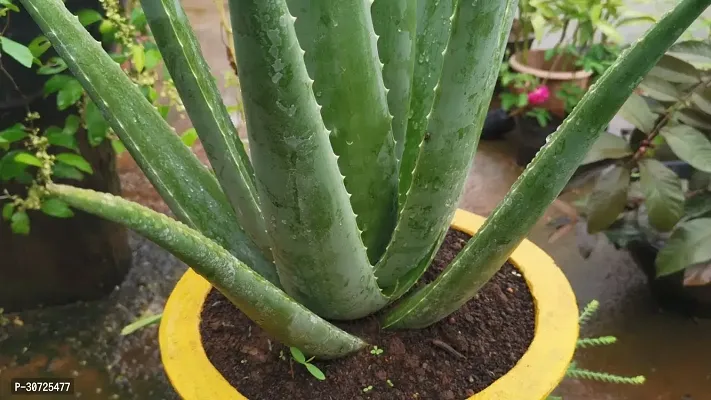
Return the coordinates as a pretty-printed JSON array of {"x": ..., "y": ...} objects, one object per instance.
[
  {"x": 363, "y": 120},
  {"x": 31, "y": 157},
  {"x": 639, "y": 195}
]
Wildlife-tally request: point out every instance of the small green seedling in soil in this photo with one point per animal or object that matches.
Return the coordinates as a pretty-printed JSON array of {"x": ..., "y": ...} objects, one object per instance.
[
  {"x": 368, "y": 389},
  {"x": 376, "y": 351},
  {"x": 301, "y": 359},
  {"x": 390, "y": 383}
]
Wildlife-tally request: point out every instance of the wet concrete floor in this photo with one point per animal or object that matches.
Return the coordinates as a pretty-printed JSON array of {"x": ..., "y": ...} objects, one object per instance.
[{"x": 83, "y": 340}]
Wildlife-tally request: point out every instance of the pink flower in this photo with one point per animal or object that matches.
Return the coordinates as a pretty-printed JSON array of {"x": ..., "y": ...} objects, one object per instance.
[{"x": 539, "y": 96}]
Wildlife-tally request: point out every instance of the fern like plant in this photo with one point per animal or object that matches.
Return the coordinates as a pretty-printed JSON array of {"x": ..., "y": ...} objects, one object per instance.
[{"x": 363, "y": 119}]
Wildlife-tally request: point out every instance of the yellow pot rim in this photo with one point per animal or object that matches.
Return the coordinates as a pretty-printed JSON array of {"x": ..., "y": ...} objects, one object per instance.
[{"x": 534, "y": 377}]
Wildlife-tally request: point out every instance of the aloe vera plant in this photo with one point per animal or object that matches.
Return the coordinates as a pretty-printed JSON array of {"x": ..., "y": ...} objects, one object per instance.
[{"x": 363, "y": 119}]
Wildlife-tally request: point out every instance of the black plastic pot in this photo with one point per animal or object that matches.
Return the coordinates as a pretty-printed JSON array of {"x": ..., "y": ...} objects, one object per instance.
[
  {"x": 669, "y": 291},
  {"x": 497, "y": 124}
]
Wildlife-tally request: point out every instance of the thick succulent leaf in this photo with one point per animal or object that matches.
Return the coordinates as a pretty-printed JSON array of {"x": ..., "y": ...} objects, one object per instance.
[
  {"x": 433, "y": 29},
  {"x": 690, "y": 145},
  {"x": 189, "y": 189},
  {"x": 690, "y": 244},
  {"x": 674, "y": 70},
  {"x": 637, "y": 112},
  {"x": 264, "y": 303},
  {"x": 544, "y": 178},
  {"x": 395, "y": 23},
  {"x": 342, "y": 59},
  {"x": 203, "y": 103},
  {"x": 608, "y": 198},
  {"x": 659, "y": 89},
  {"x": 663, "y": 194},
  {"x": 698, "y": 206},
  {"x": 462, "y": 96},
  {"x": 320, "y": 257},
  {"x": 607, "y": 146}
]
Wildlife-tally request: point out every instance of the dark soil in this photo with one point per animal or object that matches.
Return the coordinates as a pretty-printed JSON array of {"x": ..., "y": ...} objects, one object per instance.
[{"x": 452, "y": 359}]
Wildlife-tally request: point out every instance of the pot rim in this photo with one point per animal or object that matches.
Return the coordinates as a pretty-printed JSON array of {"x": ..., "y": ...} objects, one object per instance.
[
  {"x": 544, "y": 74},
  {"x": 195, "y": 378}
]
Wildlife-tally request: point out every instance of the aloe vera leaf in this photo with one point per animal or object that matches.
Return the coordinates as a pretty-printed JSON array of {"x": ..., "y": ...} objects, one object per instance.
[
  {"x": 191, "y": 192},
  {"x": 198, "y": 90},
  {"x": 320, "y": 259},
  {"x": 342, "y": 59},
  {"x": 433, "y": 29},
  {"x": 544, "y": 178},
  {"x": 395, "y": 23},
  {"x": 264, "y": 303},
  {"x": 470, "y": 69}
]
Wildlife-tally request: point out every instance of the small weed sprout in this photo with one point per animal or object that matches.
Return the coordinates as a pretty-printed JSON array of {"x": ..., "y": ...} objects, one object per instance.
[
  {"x": 301, "y": 359},
  {"x": 367, "y": 389},
  {"x": 376, "y": 351}
]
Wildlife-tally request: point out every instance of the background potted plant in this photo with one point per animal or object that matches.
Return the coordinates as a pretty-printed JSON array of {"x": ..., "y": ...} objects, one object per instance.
[
  {"x": 342, "y": 252},
  {"x": 653, "y": 197},
  {"x": 45, "y": 113}
]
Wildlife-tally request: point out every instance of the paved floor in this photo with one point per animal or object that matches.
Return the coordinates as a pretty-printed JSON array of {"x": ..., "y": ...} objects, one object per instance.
[{"x": 672, "y": 351}]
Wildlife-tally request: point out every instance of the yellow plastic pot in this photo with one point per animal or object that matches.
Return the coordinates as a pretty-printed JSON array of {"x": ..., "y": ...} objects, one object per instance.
[{"x": 535, "y": 375}]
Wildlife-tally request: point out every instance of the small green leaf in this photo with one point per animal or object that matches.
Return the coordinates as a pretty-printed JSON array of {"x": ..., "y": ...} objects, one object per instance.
[
  {"x": 672, "y": 69},
  {"x": 71, "y": 124},
  {"x": 53, "y": 66},
  {"x": 189, "y": 137},
  {"x": 700, "y": 180},
  {"x": 88, "y": 17},
  {"x": 28, "y": 159},
  {"x": 69, "y": 94},
  {"x": 20, "y": 223},
  {"x": 7, "y": 211},
  {"x": 153, "y": 58},
  {"x": 118, "y": 146},
  {"x": 689, "y": 145},
  {"x": 317, "y": 373},
  {"x": 19, "y": 52},
  {"x": 96, "y": 125},
  {"x": 76, "y": 161},
  {"x": 609, "y": 31},
  {"x": 608, "y": 198},
  {"x": 8, "y": 4},
  {"x": 64, "y": 171},
  {"x": 637, "y": 112},
  {"x": 10, "y": 169},
  {"x": 659, "y": 89},
  {"x": 62, "y": 140},
  {"x": 298, "y": 355},
  {"x": 138, "y": 57},
  {"x": 138, "y": 18},
  {"x": 664, "y": 197},
  {"x": 141, "y": 323},
  {"x": 607, "y": 146},
  {"x": 689, "y": 244},
  {"x": 56, "y": 208},
  {"x": 702, "y": 100},
  {"x": 13, "y": 133},
  {"x": 56, "y": 83},
  {"x": 39, "y": 46}
]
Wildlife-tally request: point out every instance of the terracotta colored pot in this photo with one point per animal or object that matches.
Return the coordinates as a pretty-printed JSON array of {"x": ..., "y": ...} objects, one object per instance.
[
  {"x": 535, "y": 375},
  {"x": 557, "y": 71}
]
